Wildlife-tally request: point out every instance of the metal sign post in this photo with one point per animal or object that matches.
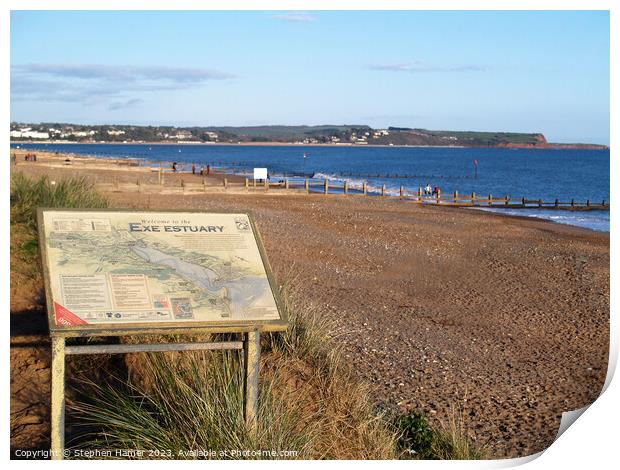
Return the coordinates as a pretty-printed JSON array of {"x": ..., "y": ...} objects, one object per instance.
[
  {"x": 116, "y": 273},
  {"x": 251, "y": 364}
]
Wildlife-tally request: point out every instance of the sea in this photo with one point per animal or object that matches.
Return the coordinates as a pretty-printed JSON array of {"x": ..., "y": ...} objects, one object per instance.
[{"x": 546, "y": 174}]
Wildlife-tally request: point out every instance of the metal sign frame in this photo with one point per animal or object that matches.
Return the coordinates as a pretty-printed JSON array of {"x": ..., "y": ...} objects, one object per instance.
[{"x": 250, "y": 330}]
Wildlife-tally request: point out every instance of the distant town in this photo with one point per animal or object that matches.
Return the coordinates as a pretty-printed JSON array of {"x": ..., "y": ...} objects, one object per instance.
[{"x": 301, "y": 135}]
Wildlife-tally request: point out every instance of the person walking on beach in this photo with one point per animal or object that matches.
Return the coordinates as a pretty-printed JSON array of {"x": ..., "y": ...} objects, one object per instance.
[
  {"x": 202, "y": 170},
  {"x": 193, "y": 168},
  {"x": 174, "y": 166},
  {"x": 208, "y": 169},
  {"x": 427, "y": 190},
  {"x": 436, "y": 191}
]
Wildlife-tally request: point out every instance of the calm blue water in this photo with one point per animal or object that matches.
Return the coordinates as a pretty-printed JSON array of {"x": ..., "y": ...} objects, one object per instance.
[{"x": 533, "y": 174}]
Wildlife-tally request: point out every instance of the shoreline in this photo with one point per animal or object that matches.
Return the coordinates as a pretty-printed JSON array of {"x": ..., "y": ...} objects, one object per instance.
[
  {"x": 498, "y": 213},
  {"x": 100, "y": 161}
]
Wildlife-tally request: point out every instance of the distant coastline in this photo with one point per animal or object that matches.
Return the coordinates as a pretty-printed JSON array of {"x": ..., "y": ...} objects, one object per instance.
[
  {"x": 548, "y": 146},
  {"x": 358, "y": 135}
]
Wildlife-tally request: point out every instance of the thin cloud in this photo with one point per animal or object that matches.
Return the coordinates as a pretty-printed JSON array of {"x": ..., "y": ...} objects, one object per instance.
[
  {"x": 393, "y": 117},
  {"x": 296, "y": 17},
  {"x": 423, "y": 67},
  {"x": 125, "y": 104},
  {"x": 118, "y": 72},
  {"x": 92, "y": 84}
]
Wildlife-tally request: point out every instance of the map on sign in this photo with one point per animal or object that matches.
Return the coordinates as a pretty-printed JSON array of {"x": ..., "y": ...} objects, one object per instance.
[{"x": 105, "y": 267}]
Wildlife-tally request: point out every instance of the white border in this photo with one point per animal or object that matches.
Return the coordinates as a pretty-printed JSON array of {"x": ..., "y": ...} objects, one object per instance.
[{"x": 592, "y": 441}]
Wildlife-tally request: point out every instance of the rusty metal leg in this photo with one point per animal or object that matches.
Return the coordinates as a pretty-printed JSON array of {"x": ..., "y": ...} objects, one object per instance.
[
  {"x": 252, "y": 366},
  {"x": 58, "y": 398}
]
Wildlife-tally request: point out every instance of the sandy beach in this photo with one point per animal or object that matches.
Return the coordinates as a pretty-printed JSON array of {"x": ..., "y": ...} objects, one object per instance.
[{"x": 504, "y": 320}]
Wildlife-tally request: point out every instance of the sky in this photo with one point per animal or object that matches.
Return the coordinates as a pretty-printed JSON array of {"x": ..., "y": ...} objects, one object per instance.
[{"x": 529, "y": 71}]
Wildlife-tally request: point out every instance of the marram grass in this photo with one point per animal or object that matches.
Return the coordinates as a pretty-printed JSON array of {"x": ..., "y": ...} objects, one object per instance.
[
  {"x": 187, "y": 403},
  {"x": 27, "y": 194}
]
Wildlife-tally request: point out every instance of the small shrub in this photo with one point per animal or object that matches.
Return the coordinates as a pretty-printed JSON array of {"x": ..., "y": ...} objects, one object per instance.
[
  {"x": 416, "y": 436},
  {"x": 418, "y": 440}
]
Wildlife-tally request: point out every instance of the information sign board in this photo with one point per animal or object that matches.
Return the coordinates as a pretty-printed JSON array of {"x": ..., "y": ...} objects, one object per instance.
[{"x": 131, "y": 270}]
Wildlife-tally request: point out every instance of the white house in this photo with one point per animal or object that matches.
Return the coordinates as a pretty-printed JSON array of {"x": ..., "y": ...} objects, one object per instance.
[{"x": 28, "y": 134}]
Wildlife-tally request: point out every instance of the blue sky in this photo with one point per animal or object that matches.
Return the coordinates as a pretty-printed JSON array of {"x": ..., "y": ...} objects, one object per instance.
[{"x": 507, "y": 71}]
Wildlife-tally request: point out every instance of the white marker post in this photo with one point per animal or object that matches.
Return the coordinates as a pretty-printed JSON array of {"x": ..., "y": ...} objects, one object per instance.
[{"x": 260, "y": 174}]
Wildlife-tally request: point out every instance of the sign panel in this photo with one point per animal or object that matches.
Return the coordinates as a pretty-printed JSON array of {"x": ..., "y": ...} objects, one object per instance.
[
  {"x": 260, "y": 173},
  {"x": 125, "y": 269}
]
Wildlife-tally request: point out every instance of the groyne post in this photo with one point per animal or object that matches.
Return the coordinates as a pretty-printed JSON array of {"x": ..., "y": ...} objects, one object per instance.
[
  {"x": 490, "y": 199},
  {"x": 456, "y": 196},
  {"x": 266, "y": 184},
  {"x": 365, "y": 188},
  {"x": 247, "y": 183},
  {"x": 383, "y": 190},
  {"x": 307, "y": 186},
  {"x": 345, "y": 187},
  {"x": 402, "y": 191},
  {"x": 419, "y": 193},
  {"x": 225, "y": 182},
  {"x": 473, "y": 198},
  {"x": 285, "y": 183},
  {"x": 326, "y": 189}
]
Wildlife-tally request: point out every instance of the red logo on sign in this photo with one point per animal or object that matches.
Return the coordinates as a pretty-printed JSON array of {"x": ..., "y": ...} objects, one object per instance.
[{"x": 65, "y": 317}]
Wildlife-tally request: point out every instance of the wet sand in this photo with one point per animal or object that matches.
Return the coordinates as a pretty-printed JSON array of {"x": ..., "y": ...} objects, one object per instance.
[{"x": 503, "y": 320}]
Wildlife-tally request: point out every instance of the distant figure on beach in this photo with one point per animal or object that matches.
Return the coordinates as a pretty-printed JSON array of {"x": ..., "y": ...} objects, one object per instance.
[
  {"x": 436, "y": 191},
  {"x": 427, "y": 190},
  {"x": 34, "y": 157},
  {"x": 208, "y": 169},
  {"x": 202, "y": 170},
  {"x": 14, "y": 159},
  {"x": 174, "y": 166},
  {"x": 193, "y": 169}
]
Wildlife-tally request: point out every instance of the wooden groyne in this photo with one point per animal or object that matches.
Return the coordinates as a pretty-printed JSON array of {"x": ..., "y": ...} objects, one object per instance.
[{"x": 330, "y": 188}]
